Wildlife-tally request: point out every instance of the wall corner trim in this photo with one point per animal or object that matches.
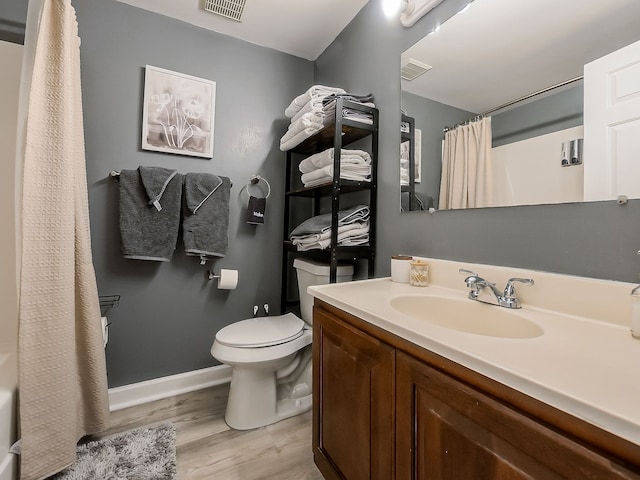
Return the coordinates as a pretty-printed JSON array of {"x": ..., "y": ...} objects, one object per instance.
[{"x": 164, "y": 387}]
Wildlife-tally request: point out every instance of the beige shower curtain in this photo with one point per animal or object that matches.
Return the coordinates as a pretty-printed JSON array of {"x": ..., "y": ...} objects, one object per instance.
[
  {"x": 466, "y": 180},
  {"x": 62, "y": 373}
]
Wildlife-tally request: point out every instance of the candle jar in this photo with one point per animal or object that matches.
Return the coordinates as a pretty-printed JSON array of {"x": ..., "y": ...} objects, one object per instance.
[
  {"x": 400, "y": 268},
  {"x": 419, "y": 273}
]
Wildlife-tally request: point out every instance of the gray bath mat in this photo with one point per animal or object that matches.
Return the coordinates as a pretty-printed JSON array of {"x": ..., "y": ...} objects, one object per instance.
[{"x": 140, "y": 454}]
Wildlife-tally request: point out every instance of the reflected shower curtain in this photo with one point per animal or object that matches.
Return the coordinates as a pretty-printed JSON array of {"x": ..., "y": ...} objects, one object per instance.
[
  {"x": 466, "y": 180},
  {"x": 62, "y": 373}
]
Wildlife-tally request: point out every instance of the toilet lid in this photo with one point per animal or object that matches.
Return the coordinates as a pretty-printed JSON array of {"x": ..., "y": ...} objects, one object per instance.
[{"x": 261, "y": 331}]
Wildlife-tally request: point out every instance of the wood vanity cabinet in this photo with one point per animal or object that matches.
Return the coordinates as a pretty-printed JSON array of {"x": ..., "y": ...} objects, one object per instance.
[
  {"x": 385, "y": 408},
  {"x": 353, "y": 403}
]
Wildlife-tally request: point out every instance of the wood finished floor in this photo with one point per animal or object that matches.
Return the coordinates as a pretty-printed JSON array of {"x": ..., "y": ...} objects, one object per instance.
[{"x": 208, "y": 449}]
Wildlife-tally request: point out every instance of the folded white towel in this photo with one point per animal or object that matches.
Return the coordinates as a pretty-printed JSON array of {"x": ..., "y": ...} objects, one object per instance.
[
  {"x": 321, "y": 223},
  {"x": 313, "y": 106},
  {"x": 349, "y": 113},
  {"x": 357, "y": 116},
  {"x": 327, "y": 180},
  {"x": 347, "y": 172},
  {"x": 298, "y": 138},
  {"x": 316, "y": 237},
  {"x": 315, "y": 91},
  {"x": 358, "y": 234},
  {"x": 300, "y": 126},
  {"x": 352, "y": 237},
  {"x": 309, "y": 119},
  {"x": 324, "y": 158},
  {"x": 354, "y": 241}
]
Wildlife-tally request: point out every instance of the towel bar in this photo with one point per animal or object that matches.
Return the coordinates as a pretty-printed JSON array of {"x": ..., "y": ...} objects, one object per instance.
[{"x": 116, "y": 176}]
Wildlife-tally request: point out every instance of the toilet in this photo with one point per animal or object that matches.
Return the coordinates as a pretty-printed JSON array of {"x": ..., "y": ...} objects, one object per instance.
[{"x": 271, "y": 357}]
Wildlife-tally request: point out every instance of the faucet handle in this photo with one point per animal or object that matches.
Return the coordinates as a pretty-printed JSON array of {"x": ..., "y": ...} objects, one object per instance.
[
  {"x": 471, "y": 281},
  {"x": 510, "y": 289},
  {"x": 469, "y": 272}
]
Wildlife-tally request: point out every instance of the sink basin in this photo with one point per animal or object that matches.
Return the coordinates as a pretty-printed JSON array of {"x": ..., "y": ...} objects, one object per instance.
[{"x": 467, "y": 315}]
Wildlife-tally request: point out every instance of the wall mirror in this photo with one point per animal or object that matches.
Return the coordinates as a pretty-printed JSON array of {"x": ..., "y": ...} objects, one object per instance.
[{"x": 521, "y": 65}]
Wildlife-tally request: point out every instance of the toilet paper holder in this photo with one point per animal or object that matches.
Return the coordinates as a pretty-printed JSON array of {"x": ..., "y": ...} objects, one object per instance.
[{"x": 227, "y": 279}]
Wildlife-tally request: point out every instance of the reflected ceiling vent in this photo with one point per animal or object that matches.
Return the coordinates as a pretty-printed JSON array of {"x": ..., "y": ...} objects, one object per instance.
[
  {"x": 413, "y": 69},
  {"x": 227, "y": 8}
]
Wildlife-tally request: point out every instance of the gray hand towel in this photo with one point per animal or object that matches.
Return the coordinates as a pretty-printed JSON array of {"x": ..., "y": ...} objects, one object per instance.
[
  {"x": 149, "y": 213},
  {"x": 205, "y": 222}
]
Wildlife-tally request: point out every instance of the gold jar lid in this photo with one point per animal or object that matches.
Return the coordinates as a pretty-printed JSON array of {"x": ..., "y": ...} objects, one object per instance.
[
  {"x": 419, "y": 263},
  {"x": 401, "y": 257}
]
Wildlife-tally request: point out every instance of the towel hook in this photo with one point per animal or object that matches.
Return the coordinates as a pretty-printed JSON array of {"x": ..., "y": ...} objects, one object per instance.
[{"x": 254, "y": 180}]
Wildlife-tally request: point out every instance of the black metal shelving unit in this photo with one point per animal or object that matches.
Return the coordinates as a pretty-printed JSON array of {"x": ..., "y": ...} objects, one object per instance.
[
  {"x": 410, "y": 137},
  {"x": 339, "y": 134}
]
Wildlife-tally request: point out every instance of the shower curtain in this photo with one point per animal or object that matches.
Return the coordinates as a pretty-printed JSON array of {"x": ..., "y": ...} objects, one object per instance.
[
  {"x": 62, "y": 373},
  {"x": 466, "y": 180}
]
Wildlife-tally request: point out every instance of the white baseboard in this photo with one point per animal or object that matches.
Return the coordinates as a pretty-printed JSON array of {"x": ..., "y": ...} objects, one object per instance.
[{"x": 164, "y": 387}]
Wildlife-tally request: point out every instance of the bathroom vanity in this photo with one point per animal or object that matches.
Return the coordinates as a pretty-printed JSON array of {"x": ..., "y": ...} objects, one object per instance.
[{"x": 399, "y": 396}]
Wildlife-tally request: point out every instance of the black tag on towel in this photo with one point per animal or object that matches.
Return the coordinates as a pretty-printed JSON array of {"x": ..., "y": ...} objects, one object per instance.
[{"x": 255, "y": 210}]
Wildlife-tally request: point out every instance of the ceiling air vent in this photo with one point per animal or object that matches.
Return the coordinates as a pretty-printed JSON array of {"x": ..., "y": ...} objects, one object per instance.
[
  {"x": 413, "y": 69},
  {"x": 227, "y": 8}
]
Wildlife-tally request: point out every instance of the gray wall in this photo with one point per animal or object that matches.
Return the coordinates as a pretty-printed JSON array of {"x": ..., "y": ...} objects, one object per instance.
[
  {"x": 169, "y": 312},
  {"x": 597, "y": 240},
  {"x": 547, "y": 114}
]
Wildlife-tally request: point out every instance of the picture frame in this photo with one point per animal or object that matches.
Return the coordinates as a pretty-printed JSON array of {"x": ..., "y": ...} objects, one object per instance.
[{"x": 178, "y": 113}]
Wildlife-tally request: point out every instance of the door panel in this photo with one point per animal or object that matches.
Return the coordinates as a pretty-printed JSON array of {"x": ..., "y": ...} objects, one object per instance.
[{"x": 612, "y": 125}]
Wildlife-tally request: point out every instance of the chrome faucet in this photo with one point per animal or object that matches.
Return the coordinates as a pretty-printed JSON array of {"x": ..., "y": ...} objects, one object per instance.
[{"x": 506, "y": 298}]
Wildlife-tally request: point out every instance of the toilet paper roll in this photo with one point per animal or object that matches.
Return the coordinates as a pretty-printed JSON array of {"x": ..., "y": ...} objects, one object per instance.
[{"x": 228, "y": 279}]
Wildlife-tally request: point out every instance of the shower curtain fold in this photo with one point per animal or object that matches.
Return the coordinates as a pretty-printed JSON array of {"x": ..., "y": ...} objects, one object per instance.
[
  {"x": 467, "y": 178},
  {"x": 62, "y": 372}
]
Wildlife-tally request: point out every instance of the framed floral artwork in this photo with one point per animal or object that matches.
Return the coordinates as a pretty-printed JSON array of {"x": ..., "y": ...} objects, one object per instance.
[{"x": 178, "y": 113}]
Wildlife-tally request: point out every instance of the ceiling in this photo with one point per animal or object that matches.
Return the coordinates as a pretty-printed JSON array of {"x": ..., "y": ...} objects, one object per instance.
[
  {"x": 303, "y": 28},
  {"x": 500, "y": 50}
]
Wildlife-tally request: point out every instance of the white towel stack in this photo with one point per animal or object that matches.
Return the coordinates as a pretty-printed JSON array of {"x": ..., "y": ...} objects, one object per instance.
[
  {"x": 404, "y": 163},
  {"x": 313, "y": 110},
  {"x": 348, "y": 235},
  {"x": 329, "y": 110},
  {"x": 318, "y": 169},
  {"x": 315, "y": 233},
  {"x": 306, "y": 114}
]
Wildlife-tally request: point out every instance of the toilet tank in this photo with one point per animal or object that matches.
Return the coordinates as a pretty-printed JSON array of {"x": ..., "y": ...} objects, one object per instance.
[{"x": 310, "y": 273}]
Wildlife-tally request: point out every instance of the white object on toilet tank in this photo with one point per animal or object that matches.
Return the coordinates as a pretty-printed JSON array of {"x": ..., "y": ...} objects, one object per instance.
[{"x": 312, "y": 273}]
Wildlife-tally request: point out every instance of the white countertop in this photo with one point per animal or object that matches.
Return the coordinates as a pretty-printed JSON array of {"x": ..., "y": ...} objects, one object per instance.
[{"x": 582, "y": 366}]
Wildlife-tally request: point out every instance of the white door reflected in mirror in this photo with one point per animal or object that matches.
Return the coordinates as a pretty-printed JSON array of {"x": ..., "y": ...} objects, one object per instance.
[{"x": 612, "y": 125}]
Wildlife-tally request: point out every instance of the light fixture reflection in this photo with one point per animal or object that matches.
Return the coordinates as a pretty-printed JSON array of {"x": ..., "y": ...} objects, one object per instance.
[{"x": 392, "y": 7}]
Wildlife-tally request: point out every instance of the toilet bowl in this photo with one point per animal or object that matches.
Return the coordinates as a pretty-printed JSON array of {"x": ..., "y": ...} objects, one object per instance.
[
  {"x": 268, "y": 356},
  {"x": 271, "y": 358}
]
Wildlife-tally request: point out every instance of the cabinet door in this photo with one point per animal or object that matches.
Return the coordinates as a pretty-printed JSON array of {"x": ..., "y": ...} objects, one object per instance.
[
  {"x": 447, "y": 430},
  {"x": 353, "y": 402}
]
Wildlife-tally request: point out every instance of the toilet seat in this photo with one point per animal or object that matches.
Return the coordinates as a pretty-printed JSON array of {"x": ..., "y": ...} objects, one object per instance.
[{"x": 261, "y": 331}]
